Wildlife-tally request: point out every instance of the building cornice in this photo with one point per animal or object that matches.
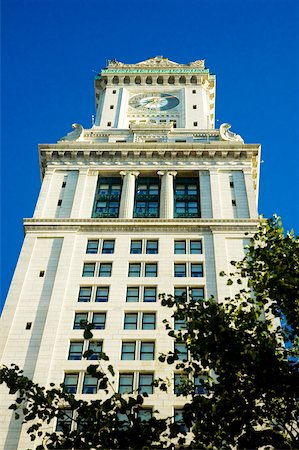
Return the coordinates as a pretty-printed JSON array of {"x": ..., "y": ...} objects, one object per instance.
[{"x": 126, "y": 225}]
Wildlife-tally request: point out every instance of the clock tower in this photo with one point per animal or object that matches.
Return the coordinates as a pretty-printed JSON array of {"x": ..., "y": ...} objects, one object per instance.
[{"x": 151, "y": 199}]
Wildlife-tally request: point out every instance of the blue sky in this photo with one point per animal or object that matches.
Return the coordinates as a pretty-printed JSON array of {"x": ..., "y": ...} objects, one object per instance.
[{"x": 52, "y": 50}]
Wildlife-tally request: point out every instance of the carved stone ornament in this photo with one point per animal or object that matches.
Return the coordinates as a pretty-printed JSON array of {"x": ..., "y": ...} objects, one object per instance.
[
  {"x": 198, "y": 63},
  {"x": 73, "y": 135},
  {"x": 227, "y": 135}
]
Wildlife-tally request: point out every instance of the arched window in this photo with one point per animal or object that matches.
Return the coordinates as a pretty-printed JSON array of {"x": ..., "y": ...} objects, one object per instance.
[
  {"x": 149, "y": 80},
  {"x": 160, "y": 80},
  {"x": 127, "y": 80},
  {"x": 138, "y": 80},
  {"x": 182, "y": 80},
  {"x": 171, "y": 80},
  {"x": 193, "y": 79},
  {"x": 115, "y": 80}
]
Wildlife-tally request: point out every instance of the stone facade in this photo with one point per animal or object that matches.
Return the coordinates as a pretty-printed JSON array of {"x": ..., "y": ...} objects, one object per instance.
[{"x": 152, "y": 170}]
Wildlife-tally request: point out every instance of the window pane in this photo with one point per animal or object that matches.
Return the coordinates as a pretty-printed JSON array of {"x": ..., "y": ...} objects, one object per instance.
[
  {"x": 179, "y": 381},
  {"x": 96, "y": 347},
  {"x": 80, "y": 318},
  {"x": 128, "y": 351},
  {"x": 70, "y": 382},
  {"x": 75, "y": 351},
  {"x": 92, "y": 246},
  {"x": 180, "y": 270},
  {"x": 150, "y": 294},
  {"x": 196, "y": 247},
  {"x": 146, "y": 383},
  {"x": 134, "y": 269},
  {"x": 181, "y": 350},
  {"x": 150, "y": 270},
  {"x": 179, "y": 324},
  {"x": 198, "y": 387},
  {"x": 90, "y": 384},
  {"x": 132, "y": 294},
  {"x": 148, "y": 321},
  {"x": 147, "y": 350},
  {"x": 84, "y": 294},
  {"x": 88, "y": 269},
  {"x": 152, "y": 247},
  {"x": 145, "y": 414},
  {"x": 125, "y": 383},
  {"x": 64, "y": 422},
  {"x": 178, "y": 419},
  {"x": 102, "y": 294},
  {"x": 105, "y": 270},
  {"x": 197, "y": 294},
  {"x": 108, "y": 246},
  {"x": 130, "y": 321},
  {"x": 180, "y": 294},
  {"x": 136, "y": 247},
  {"x": 99, "y": 321},
  {"x": 180, "y": 247},
  {"x": 196, "y": 270}
]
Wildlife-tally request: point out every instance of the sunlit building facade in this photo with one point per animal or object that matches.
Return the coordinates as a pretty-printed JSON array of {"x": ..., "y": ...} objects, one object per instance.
[{"x": 152, "y": 199}]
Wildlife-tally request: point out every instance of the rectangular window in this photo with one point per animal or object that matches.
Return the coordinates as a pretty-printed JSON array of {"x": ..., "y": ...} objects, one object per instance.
[
  {"x": 180, "y": 380},
  {"x": 70, "y": 382},
  {"x": 130, "y": 322},
  {"x": 180, "y": 270},
  {"x": 80, "y": 321},
  {"x": 147, "y": 197},
  {"x": 92, "y": 246},
  {"x": 151, "y": 269},
  {"x": 96, "y": 348},
  {"x": 125, "y": 385},
  {"x": 128, "y": 351},
  {"x": 195, "y": 124},
  {"x": 134, "y": 269},
  {"x": 132, "y": 294},
  {"x": 197, "y": 294},
  {"x": 150, "y": 294},
  {"x": 105, "y": 270},
  {"x": 151, "y": 246},
  {"x": 136, "y": 246},
  {"x": 75, "y": 351},
  {"x": 198, "y": 387},
  {"x": 195, "y": 247},
  {"x": 108, "y": 246},
  {"x": 102, "y": 294},
  {"x": 186, "y": 198},
  {"x": 111, "y": 106},
  {"x": 181, "y": 349},
  {"x": 179, "y": 324},
  {"x": 148, "y": 321},
  {"x": 147, "y": 351},
  {"x": 108, "y": 124},
  {"x": 145, "y": 414},
  {"x": 90, "y": 384},
  {"x": 180, "y": 247},
  {"x": 107, "y": 198},
  {"x": 64, "y": 421},
  {"x": 179, "y": 421},
  {"x": 196, "y": 270},
  {"x": 88, "y": 269},
  {"x": 180, "y": 294},
  {"x": 99, "y": 321},
  {"x": 146, "y": 383},
  {"x": 84, "y": 294},
  {"x": 194, "y": 107}
]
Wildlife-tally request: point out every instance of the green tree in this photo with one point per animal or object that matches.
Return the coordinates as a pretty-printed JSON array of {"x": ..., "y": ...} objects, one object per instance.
[
  {"x": 241, "y": 378},
  {"x": 245, "y": 350}
]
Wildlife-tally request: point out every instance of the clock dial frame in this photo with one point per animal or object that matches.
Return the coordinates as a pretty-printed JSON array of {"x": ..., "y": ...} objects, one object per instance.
[{"x": 153, "y": 101}]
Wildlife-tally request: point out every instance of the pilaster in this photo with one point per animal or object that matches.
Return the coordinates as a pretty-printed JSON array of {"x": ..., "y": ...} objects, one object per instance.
[
  {"x": 251, "y": 195},
  {"x": 215, "y": 195}
]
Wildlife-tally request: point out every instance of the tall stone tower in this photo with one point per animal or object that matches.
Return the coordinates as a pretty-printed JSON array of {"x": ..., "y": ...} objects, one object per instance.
[{"x": 152, "y": 199}]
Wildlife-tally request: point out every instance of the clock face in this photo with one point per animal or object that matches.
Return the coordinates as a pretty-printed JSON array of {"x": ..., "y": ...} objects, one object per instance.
[{"x": 154, "y": 101}]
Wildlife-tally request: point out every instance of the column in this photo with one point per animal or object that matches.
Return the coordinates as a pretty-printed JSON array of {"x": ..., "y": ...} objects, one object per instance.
[
  {"x": 251, "y": 195},
  {"x": 127, "y": 195},
  {"x": 215, "y": 194},
  {"x": 205, "y": 194},
  {"x": 166, "y": 195}
]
